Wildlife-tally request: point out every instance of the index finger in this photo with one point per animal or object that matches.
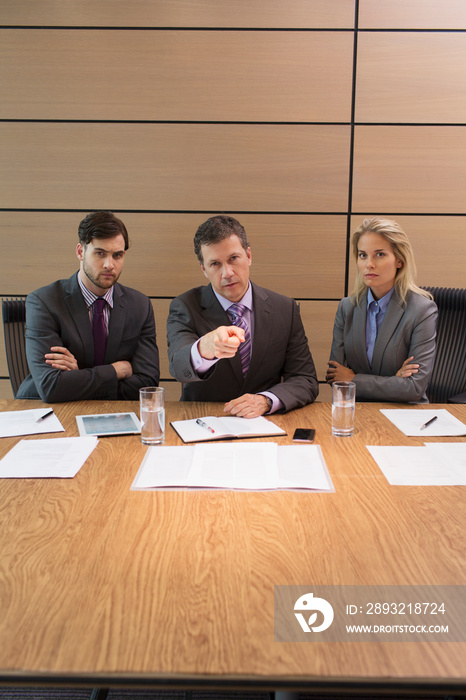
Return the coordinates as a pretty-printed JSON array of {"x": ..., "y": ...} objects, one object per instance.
[
  {"x": 58, "y": 348},
  {"x": 237, "y": 332}
]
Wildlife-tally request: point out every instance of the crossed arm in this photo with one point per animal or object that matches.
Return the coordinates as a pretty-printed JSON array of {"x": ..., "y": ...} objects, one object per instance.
[
  {"x": 56, "y": 358},
  {"x": 405, "y": 378},
  {"x": 339, "y": 373},
  {"x": 61, "y": 358}
]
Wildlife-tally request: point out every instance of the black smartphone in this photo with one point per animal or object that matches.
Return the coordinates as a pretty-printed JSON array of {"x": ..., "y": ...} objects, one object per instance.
[{"x": 304, "y": 435}]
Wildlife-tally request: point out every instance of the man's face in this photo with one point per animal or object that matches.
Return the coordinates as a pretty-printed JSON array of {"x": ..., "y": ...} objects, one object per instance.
[
  {"x": 226, "y": 266},
  {"x": 101, "y": 262}
]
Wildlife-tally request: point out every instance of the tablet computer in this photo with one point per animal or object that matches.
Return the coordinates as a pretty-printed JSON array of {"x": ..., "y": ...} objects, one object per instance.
[{"x": 106, "y": 424}]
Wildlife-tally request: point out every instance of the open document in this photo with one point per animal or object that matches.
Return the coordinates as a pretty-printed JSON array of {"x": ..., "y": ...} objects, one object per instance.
[
  {"x": 435, "y": 422},
  {"x": 49, "y": 458},
  {"x": 435, "y": 464},
  {"x": 225, "y": 427},
  {"x": 34, "y": 421},
  {"x": 250, "y": 466}
]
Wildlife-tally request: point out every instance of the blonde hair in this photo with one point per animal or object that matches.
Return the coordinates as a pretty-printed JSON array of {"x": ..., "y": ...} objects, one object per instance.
[{"x": 401, "y": 247}]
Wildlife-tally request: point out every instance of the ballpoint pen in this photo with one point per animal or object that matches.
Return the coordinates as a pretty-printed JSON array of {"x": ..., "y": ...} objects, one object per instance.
[
  {"x": 432, "y": 420},
  {"x": 204, "y": 425},
  {"x": 49, "y": 413}
]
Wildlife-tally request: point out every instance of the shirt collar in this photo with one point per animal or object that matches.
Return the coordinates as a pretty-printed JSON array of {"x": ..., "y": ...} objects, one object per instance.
[
  {"x": 381, "y": 303},
  {"x": 246, "y": 300},
  {"x": 90, "y": 297}
]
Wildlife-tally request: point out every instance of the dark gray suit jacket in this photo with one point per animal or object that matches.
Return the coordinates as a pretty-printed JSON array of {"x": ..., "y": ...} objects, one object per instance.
[
  {"x": 280, "y": 361},
  {"x": 405, "y": 331},
  {"x": 58, "y": 315}
]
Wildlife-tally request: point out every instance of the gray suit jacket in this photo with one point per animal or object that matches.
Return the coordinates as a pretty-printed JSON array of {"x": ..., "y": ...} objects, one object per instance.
[
  {"x": 280, "y": 360},
  {"x": 58, "y": 315},
  {"x": 405, "y": 331}
]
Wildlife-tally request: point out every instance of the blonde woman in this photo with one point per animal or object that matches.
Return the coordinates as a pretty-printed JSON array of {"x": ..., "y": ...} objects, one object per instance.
[{"x": 384, "y": 334}]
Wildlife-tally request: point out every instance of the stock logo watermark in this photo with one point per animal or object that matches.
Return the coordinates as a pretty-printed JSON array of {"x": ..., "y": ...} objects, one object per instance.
[
  {"x": 370, "y": 613},
  {"x": 308, "y": 603}
]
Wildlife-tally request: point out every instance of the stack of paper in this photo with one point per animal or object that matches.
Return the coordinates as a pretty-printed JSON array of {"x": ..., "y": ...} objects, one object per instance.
[{"x": 249, "y": 465}]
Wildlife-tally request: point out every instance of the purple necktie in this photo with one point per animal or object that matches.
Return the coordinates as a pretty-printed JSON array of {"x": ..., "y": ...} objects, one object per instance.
[
  {"x": 99, "y": 332},
  {"x": 235, "y": 313}
]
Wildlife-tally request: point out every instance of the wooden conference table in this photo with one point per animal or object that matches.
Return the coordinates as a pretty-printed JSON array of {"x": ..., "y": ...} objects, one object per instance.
[{"x": 104, "y": 586}]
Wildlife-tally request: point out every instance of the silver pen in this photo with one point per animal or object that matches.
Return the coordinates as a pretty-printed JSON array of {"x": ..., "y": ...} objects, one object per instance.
[{"x": 204, "y": 425}]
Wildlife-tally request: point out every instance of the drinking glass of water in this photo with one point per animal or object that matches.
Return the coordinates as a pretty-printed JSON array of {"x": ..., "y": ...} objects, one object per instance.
[
  {"x": 343, "y": 401},
  {"x": 152, "y": 405}
]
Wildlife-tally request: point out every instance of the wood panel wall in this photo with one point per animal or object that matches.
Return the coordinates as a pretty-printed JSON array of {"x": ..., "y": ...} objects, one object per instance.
[{"x": 299, "y": 118}]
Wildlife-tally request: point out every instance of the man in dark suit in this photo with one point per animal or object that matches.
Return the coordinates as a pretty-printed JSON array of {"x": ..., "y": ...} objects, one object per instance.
[
  {"x": 88, "y": 337},
  {"x": 254, "y": 356}
]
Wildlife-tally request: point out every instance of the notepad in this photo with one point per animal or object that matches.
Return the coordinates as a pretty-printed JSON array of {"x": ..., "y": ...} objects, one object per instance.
[{"x": 224, "y": 428}]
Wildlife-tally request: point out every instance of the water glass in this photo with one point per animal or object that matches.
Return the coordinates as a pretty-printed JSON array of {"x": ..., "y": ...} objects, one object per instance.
[
  {"x": 343, "y": 402},
  {"x": 152, "y": 414}
]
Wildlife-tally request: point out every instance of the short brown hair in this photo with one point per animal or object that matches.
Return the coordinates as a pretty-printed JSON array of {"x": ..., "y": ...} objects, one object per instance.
[
  {"x": 101, "y": 224},
  {"x": 216, "y": 229}
]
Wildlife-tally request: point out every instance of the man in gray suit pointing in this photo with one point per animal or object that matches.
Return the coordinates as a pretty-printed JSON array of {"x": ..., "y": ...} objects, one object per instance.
[
  {"x": 89, "y": 337},
  {"x": 233, "y": 341}
]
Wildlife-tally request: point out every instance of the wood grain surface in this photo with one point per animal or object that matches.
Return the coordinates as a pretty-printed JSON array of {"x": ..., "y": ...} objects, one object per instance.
[
  {"x": 388, "y": 175},
  {"x": 412, "y": 14},
  {"x": 176, "y": 75},
  {"x": 100, "y": 581},
  {"x": 406, "y": 77},
  {"x": 288, "y": 251},
  {"x": 180, "y": 13},
  {"x": 174, "y": 166}
]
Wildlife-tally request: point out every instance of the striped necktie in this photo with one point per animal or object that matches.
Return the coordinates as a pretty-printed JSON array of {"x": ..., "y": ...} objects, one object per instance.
[
  {"x": 235, "y": 313},
  {"x": 99, "y": 332}
]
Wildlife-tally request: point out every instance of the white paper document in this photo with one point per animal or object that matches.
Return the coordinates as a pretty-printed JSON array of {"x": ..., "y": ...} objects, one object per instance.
[
  {"x": 435, "y": 464},
  {"x": 164, "y": 466},
  {"x": 303, "y": 466},
  {"x": 14, "y": 423},
  {"x": 411, "y": 420},
  {"x": 248, "y": 466},
  {"x": 54, "y": 458}
]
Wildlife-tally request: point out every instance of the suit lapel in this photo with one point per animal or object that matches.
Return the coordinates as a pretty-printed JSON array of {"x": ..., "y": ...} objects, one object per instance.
[
  {"x": 359, "y": 331},
  {"x": 117, "y": 322},
  {"x": 215, "y": 316},
  {"x": 389, "y": 324},
  {"x": 263, "y": 316},
  {"x": 80, "y": 317},
  {"x": 212, "y": 310}
]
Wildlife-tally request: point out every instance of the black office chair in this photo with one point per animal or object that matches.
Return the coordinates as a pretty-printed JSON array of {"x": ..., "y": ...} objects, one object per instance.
[
  {"x": 448, "y": 381},
  {"x": 14, "y": 323}
]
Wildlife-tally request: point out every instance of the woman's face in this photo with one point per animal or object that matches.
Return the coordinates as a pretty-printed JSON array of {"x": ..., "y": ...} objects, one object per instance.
[{"x": 377, "y": 263}]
